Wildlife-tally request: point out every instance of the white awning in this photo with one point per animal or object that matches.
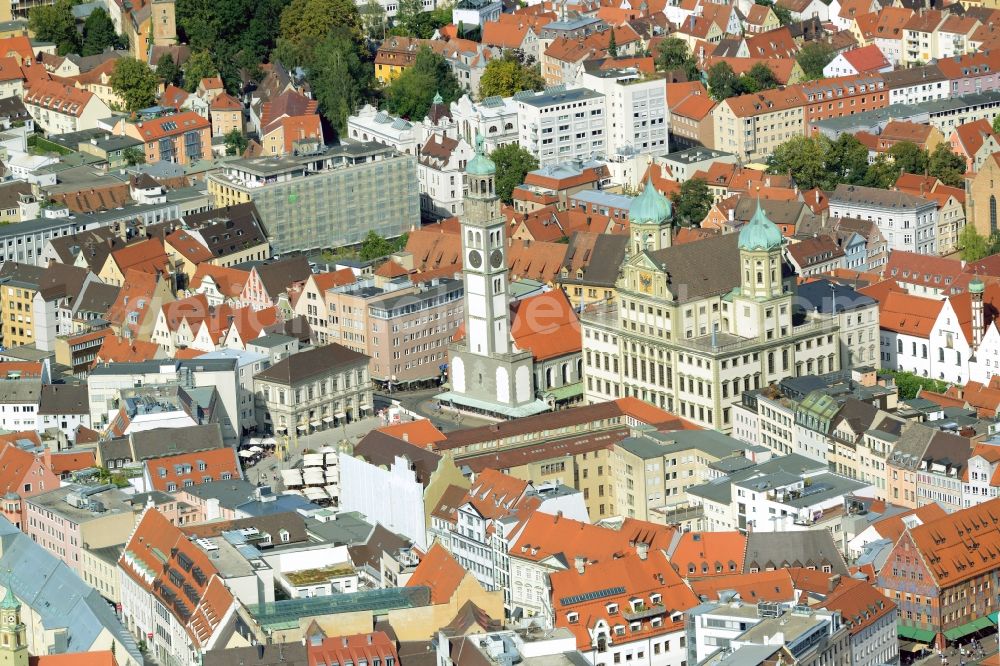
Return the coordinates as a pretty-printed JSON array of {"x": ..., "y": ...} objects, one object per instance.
[
  {"x": 303, "y": 427},
  {"x": 255, "y": 449},
  {"x": 246, "y": 454},
  {"x": 315, "y": 424},
  {"x": 365, "y": 407},
  {"x": 327, "y": 419},
  {"x": 281, "y": 429},
  {"x": 340, "y": 415}
]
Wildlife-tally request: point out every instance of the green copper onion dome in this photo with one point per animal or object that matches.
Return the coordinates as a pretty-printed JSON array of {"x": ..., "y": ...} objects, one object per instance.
[
  {"x": 976, "y": 286},
  {"x": 760, "y": 233},
  {"x": 480, "y": 165},
  {"x": 650, "y": 207}
]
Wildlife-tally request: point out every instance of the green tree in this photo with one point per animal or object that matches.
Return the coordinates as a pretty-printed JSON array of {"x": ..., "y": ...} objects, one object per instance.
[
  {"x": 813, "y": 57},
  {"x": 673, "y": 54},
  {"x": 375, "y": 246},
  {"x": 236, "y": 143},
  {"x": 55, "y": 23},
  {"x": 199, "y": 66},
  {"x": 974, "y": 245},
  {"x": 804, "y": 158},
  {"x": 910, "y": 384},
  {"x": 373, "y": 19},
  {"x": 760, "y": 77},
  {"x": 506, "y": 75},
  {"x": 612, "y": 45},
  {"x": 410, "y": 94},
  {"x": 513, "y": 164},
  {"x": 946, "y": 166},
  {"x": 846, "y": 161},
  {"x": 996, "y": 123},
  {"x": 407, "y": 14},
  {"x": 909, "y": 157},
  {"x": 135, "y": 82},
  {"x": 133, "y": 156},
  {"x": 722, "y": 81},
  {"x": 167, "y": 70},
  {"x": 692, "y": 202},
  {"x": 882, "y": 173},
  {"x": 305, "y": 23},
  {"x": 239, "y": 34},
  {"x": 98, "y": 33},
  {"x": 338, "y": 78}
]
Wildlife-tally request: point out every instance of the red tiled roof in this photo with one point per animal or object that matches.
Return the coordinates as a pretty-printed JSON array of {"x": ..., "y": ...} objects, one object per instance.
[
  {"x": 188, "y": 586},
  {"x": 420, "y": 432},
  {"x": 912, "y": 315},
  {"x": 123, "y": 350},
  {"x": 866, "y": 59},
  {"x": 71, "y": 461},
  {"x": 95, "y": 658},
  {"x": 701, "y": 554},
  {"x": 188, "y": 246},
  {"x": 439, "y": 571},
  {"x": 172, "y": 125},
  {"x": 230, "y": 281},
  {"x": 572, "y": 592},
  {"x": 186, "y": 468},
  {"x": 146, "y": 256},
  {"x": 752, "y": 587},
  {"x": 57, "y": 97}
]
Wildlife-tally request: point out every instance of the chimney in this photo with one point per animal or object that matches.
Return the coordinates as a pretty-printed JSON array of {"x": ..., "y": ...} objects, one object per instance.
[
  {"x": 642, "y": 549},
  {"x": 833, "y": 582},
  {"x": 581, "y": 563},
  {"x": 406, "y": 437},
  {"x": 369, "y": 639},
  {"x": 558, "y": 516}
]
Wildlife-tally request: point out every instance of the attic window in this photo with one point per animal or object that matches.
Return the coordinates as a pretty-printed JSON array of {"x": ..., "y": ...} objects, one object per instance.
[
  {"x": 612, "y": 609},
  {"x": 620, "y": 630},
  {"x": 573, "y": 617}
]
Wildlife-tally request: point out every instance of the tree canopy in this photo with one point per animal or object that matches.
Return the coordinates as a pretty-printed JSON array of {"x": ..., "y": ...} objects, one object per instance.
[
  {"x": 507, "y": 75},
  {"x": 816, "y": 161},
  {"x": 339, "y": 79},
  {"x": 692, "y": 202},
  {"x": 784, "y": 15},
  {"x": 723, "y": 82},
  {"x": 513, "y": 164},
  {"x": 412, "y": 21},
  {"x": 55, "y": 23},
  {"x": 673, "y": 54},
  {"x": 238, "y": 35},
  {"x": 199, "y": 66},
  {"x": 375, "y": 246},
  {"x": 98, "y": 33},
  {"x": 305, "y": 23},
  {"x": 813, "y": 57},
  {"x": 974, "y": 246},
  {"x": 135, "y": 82},
  {"x": 946, "y": 166},
  {"x": 236, "y": 143},
  {"x": 411, "y": 93},
  {"x": 167, "y": 70}
]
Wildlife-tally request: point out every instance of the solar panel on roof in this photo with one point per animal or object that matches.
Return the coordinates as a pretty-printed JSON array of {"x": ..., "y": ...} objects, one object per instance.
[{"x": 590, "y": 596}]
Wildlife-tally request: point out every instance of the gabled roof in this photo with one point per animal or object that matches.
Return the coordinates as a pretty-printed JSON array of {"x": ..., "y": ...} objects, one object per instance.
[
  {"x": 146, "y": 256},
  {"x": 230, "y": 281},
  {"x": 866, "y": 59},
  {"x": 912, "y": 315},
  {"x": 171, "y": 125},
  {"x": 303, "y": 365},
  {"x": 768, "y": 101},
  {"x": 604, "y": 590},
  {"x": 439, "y": 571},
  {"x": 188, "y": 246},
  {"x": 171, "y": 473},
  {"x": 160, "y": 559},
  {"x": 708, "y": 553},
  {"x": 58, "y": 97},
  {"x": 959, "y": 546}
]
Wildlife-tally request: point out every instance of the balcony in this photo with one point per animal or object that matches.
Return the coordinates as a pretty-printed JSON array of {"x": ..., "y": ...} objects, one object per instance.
[{"x": 644, "y": 612}]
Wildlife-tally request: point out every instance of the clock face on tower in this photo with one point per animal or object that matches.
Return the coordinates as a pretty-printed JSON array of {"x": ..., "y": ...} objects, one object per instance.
[
  {"x": 475, "y": 259},
  {"x": 496, "y": 258}
]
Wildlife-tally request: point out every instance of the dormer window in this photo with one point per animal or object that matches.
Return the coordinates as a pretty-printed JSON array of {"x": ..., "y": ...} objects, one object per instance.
[
  {"x": 573, "y": 617},
  {"x": 655, "y": 599},
  {"x": 620, "y": 630},
  {"x": 612, "y": 609}
]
